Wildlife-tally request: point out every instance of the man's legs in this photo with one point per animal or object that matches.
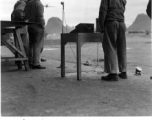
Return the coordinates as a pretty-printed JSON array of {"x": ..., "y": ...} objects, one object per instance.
[
  {"x": 36, "y": 38},
  {"x": 121, "y": 50},
  {"x": 110, "y": 50},
  {"x": 110, "y": 47},
  {"x": 38, "y": 45}
]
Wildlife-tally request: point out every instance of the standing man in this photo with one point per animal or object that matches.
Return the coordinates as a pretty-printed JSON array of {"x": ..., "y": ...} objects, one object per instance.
[
  {"x": 34, "y": 12},
  {"x": 18, "y": 15},
  {"x": 111, "y": 22}
]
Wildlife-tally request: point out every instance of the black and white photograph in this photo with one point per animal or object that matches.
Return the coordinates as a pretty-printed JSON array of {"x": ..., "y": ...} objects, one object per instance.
[{"x": 75, "y": 58}]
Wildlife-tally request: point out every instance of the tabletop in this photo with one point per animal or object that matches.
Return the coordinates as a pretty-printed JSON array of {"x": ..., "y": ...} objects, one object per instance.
[{"x": 5, "y": 24}]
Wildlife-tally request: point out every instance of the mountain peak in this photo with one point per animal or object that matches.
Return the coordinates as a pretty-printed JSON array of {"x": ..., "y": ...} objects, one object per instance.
[
  {"x": 141, "y": 23},
  {"x": 54, "y": 26},
  {"x": 55, "y": 19}
]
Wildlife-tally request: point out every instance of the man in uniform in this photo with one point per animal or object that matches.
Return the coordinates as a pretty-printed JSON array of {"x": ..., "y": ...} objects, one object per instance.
[
  {"x": 34, "y": 12},
  {"x": 111, "y": 22},
  {"x": 18, "y": 15}
]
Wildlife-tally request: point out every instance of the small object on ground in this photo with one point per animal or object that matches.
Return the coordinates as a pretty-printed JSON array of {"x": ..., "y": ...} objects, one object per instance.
[
  {"x": 87, "y": 63},
  {"x": 150, "y": 77},
  {"x": 43, "y": 60},
  {"x": 138, "y": 71},
  {"x": 38, "y": 67}
]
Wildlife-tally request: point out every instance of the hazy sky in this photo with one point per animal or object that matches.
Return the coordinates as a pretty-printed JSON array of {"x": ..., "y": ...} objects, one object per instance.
[{"x": 77, "y": 11}]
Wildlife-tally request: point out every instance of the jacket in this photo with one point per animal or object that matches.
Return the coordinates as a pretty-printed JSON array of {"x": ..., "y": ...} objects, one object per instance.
[
  {"x": 20, "y": 5},
  {"x": 18, "y": 12},
  {"x": 148, "y": 10},
  {"x": 34, "y": 12},
  {"x": 111, "y": 10}
]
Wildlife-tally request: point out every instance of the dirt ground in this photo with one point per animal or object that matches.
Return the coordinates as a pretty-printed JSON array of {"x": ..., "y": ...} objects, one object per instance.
[{"x": 45, "y": 93}]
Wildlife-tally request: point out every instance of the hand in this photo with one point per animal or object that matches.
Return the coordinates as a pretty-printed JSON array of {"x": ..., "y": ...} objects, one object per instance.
[
  {"x": 101, "y": 28},
  {"x": 41, "y": 25}
]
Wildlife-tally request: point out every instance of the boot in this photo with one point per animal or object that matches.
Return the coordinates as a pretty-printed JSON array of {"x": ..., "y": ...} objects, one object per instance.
[
  {"x": 110, "y": 77},
  {"x": 123, "y": 75}
]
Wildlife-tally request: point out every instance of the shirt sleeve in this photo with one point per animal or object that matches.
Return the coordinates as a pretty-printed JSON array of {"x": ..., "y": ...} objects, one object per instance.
[
  {"x": 40, "y": 15},
  {"x": 103, "y": 12}
]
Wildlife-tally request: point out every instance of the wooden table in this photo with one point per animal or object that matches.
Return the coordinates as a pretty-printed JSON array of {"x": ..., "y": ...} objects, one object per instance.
[
  {"x": 17, "y": 49},
  {"x": 79, "y": 39}
]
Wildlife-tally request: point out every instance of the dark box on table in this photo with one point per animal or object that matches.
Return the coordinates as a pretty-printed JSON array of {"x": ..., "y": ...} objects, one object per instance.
[{"x": 84, "y": 28}]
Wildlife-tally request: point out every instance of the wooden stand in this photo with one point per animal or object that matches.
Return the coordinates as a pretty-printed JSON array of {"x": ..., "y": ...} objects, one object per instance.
[
  {"x": 79, "y": 39},
  {"x": 17, "y": 49}
]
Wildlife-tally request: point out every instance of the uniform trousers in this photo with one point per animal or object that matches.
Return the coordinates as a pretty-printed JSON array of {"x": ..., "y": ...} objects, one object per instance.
[
  {"x": 36, "y": 43},
  {"x": 114, "y": 47}
]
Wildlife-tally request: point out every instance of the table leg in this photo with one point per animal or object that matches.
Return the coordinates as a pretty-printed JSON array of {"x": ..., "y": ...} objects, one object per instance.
[
  {"x": 78, "y": 59},
  {"x": 21, "y": 46},
  {"x": 62, "y": 59},
  {"x": 26, "y": 64}
]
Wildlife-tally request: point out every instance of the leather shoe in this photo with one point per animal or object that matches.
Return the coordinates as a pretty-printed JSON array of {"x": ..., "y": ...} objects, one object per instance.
[
  {"x": 123, "y": 75},
  {"x": 43, "y": 60},
  {"x": 38, "y": 67},
  {"x": 110, "y": 77}
]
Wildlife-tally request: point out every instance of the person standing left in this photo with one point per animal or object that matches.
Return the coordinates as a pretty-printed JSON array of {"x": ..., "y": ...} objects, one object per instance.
[
  {"x": 34, "y": 12},
  {"x": 18, "y": 15}
]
